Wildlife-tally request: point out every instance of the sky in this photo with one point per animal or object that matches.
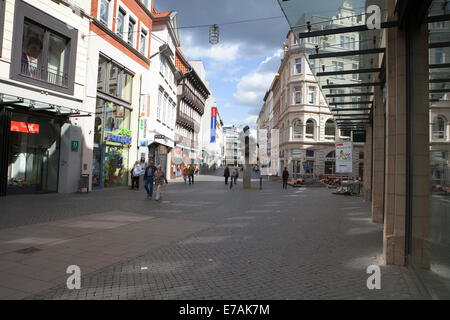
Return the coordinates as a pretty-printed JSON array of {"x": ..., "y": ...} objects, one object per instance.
[{"x": 241, "y": 67}]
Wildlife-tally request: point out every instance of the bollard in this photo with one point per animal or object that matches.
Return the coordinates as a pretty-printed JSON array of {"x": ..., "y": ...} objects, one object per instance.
[
  {"x": 260, "y": 183},
  {"x": 231, "y": 183}
]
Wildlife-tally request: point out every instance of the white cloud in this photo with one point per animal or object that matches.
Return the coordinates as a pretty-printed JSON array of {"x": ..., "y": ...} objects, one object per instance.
[
  {"x": 222, "y": 52},
  {"x": 252, "y": 86}
]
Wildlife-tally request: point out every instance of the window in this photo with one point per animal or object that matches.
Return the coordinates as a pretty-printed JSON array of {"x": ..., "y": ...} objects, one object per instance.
[
  {"x": 114, "y": 79},
  {"x": 330, "y": 163},
  {"x": 310, "y": 153},
  {"x": 104, "y": 11},
  {"x": 143, "y": 41},
  {"x": 131, "y": 24},
  {"x": 297, "y": 95},
  {"x": 311, "y": 95},
  {"x": 354, "y": 75},
  {"x": 330, "y": 129},
  {"x": 342, "y": 41},
  {"x": 309, "y": 129},
  {"x": 346, "y": 133},
  {"x": 120, "y": 21},
  {"x": 43, "y": 50},
  {"x": 439, "y": 128},
  {"x": 298, "y": 66},
  {"x": 297, "y": 129},
  {"x": 353, "y": 43},
  {"x": 164, "y": 109},
  {"x": 158, "y": 107}
]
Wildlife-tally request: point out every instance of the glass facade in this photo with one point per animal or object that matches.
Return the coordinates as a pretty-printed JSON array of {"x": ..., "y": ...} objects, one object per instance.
[
  {"x": 112, "y": 137},
  {"x": 33, "y": 157}
]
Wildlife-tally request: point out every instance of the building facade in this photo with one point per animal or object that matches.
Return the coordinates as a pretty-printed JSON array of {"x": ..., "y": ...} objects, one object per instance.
[
  {"x": 159, "y": 95},
  {"x": 45, "y": 124},
  {"x": 191, "y": 98},
  {"x": 404, "y": 67},
  {"x": 119, "y": 49}
]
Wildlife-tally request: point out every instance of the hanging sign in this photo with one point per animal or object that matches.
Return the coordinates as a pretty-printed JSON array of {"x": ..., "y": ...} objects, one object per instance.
[{"x": 213, "y": 124}]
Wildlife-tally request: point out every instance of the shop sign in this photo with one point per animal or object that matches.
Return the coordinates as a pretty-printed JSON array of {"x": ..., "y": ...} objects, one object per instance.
[
  {"x": 344, "y": 152},
  {"x": 159, "y": 136},
  {"x": 330, "y": 159},
  {"x": 18, "y": 126},
  {"x": 306, "y": 166},
  {"x": 74, "y": 145},
  {"x": 143, "y": 143}
]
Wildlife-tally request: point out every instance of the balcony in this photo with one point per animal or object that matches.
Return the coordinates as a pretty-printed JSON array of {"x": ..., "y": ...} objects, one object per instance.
[{"x": 44, "y": 74}]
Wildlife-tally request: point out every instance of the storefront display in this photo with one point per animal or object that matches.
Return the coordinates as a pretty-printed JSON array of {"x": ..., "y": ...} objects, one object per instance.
[
  {"x": 112, "y": 138},
  {"x": 33, "y": 156}
]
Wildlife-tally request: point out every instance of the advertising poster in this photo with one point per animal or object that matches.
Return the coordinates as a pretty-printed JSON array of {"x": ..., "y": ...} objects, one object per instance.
[
  {"x": 344, "y": 153},
  {"x": 213, "y": 124}
]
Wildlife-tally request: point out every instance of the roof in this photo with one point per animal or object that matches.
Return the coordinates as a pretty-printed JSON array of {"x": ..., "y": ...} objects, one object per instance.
[{"x": 180, "y": 61}]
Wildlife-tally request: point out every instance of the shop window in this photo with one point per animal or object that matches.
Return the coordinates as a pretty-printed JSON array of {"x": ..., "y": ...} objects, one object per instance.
[
  {"x": 44, "y": 50},
  {"x": 310, "y": 129},
  {"x": 33, "y": 157},
  {"x": 330, "y": 129},
  {"x": 346, "y": 133}
]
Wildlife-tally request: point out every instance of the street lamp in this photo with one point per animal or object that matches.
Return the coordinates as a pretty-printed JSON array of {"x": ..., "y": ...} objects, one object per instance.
[{"x": 247, "y": 173}]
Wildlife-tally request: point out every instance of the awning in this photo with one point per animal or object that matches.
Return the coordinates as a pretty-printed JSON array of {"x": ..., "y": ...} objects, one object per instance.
[
  {"x": 346, "y": 57},
  {"x": 15, "y": 102}
]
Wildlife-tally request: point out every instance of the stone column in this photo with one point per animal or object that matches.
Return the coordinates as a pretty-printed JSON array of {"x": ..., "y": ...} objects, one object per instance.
[
  {"x": 395, "y": 175},
  {"x": 378, "y": 157},
  {"x": 420, "y": 149}
]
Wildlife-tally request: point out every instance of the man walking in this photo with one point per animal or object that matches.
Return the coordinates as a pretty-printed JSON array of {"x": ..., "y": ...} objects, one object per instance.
[
  {"x": 285, "y": 177},
  {"x": 148, "y": 176},
  {"x": 135, "y": 175},
  {"x": 226, "y": 174},
  {"x": 185, "y": 173},
  {"x": 191, "y": 173},
  {"x": 160, "y": 178},
  {"x": 235, "y": 175}
]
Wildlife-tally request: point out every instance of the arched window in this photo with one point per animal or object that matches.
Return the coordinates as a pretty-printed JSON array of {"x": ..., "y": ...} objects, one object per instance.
[
  {"x": 309, "y": 129},
  {"x": 330, "y": 129},
  {"x": 297, "y": 128},
  {"x": 439, "y": 128},
  {"x": 330, "y": 163}
]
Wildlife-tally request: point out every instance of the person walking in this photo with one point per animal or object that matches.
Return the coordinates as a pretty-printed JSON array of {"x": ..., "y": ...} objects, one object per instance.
[
  {"x": 285, "y": 177},
  {"x": 235, "y": 175},
  {"x": 191, "y": 173},
  {"x": 160, "y": 178},
  {"x": 196, "y": 170},
  {"x": 185, "y": 173},
  {"x": 226, "y": 174},
  {"x": 136, "y": 172},
  {"x": 148, "y": 177}
]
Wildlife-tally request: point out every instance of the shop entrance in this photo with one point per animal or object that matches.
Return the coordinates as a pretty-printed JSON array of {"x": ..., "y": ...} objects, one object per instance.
[{"x": 33, "y": 154}]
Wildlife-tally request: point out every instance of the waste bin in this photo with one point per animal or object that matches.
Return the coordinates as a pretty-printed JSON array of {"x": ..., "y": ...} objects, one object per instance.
[
  {"x": 84, "y": 183},
  {"x": 356, "y": 187}
]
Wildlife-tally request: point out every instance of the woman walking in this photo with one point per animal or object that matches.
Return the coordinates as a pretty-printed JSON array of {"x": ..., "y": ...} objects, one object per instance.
[{"x": 159, "y": 178}]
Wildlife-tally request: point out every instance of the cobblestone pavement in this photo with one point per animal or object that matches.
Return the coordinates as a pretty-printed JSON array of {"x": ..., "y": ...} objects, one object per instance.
[{"x": 299, "y": 243}]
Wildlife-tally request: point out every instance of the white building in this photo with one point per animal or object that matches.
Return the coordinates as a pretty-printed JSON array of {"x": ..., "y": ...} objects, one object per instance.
[
  {"x": 159, "y": 92},
  {"x": 46, "y": 135}
]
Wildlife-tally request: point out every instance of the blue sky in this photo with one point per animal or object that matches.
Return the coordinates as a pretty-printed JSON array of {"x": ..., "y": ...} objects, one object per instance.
[{"x": 241, "y": 67}]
